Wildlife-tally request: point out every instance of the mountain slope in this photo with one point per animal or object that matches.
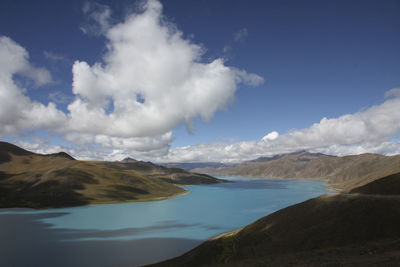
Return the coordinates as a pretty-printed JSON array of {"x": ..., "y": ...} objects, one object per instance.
[
  {"x": 389, "y": 185},
  {"x": 341, "y": 172},
  {"x": 42, "y": 181},
  {"x": 331, "y": 230}
]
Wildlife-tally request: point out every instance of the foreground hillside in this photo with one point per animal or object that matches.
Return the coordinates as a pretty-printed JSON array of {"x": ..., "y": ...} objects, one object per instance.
[
  {"x": 332, "y": 230},
  {"x": 57, "y": 180},
  {"x": 342, "y": 173}
]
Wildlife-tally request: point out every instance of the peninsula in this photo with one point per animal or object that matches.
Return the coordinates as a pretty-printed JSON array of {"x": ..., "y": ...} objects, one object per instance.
[{"x": 33, "y": 180}]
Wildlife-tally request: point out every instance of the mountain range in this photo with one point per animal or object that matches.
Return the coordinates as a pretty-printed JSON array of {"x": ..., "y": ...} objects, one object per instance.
[
  {"x": 56, "y": 180},
  {"x": 341, "y": 173}
]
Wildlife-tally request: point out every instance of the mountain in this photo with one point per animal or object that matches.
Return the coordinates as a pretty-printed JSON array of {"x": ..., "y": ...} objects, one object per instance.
[
  {"x": 188, "y": 166},
  {"x": 347, "y": 229},
  {"x": 341, "y": 173},
  {"x": 128, "y": 159},
  {"x": 43, "y": 181}
]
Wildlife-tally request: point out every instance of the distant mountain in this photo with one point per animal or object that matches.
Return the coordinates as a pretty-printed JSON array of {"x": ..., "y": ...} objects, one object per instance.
[
  {"x": 301, "y": 153},
  {"x": 42, "y": 181},
  {"x": 359, "y": 229},
  {"x": 128, "y": 159},
  {"x": 61, "y": 154},
  {"x": 7, "y": 149},
  {"x": 194, "y": 165},
  {"x": 341, "y": 172}
]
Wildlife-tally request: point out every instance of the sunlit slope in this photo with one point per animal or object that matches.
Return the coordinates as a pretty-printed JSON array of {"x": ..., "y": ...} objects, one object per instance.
[
  {"x": 341, "y": 172},
  {"x": 32, "y": 180},
  {"x": 331, "y": 230}
]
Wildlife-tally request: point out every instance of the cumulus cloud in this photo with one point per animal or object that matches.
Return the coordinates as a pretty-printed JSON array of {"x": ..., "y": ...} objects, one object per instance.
[
  {"x": 151, "y": 79},
  {"x": 17, "y": 111}
]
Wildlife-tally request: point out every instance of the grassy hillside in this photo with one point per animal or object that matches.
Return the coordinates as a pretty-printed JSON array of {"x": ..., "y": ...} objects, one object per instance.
[
  {"x": 341, "y": 172},
  {"x": 331, "y": 230},
  {"x": 42, "y": 181}
]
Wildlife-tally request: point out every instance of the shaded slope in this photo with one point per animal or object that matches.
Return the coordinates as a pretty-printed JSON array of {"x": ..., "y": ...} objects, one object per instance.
[
  {"x": 389, "y": 185},
  {"x": 57, "y": 180},
  {"x": 6, "y": 149},
  {"x": 331, "y": 230}
]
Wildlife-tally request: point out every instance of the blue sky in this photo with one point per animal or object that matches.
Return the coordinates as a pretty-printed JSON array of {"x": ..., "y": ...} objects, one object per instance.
[{"x": 303, "y": 61}]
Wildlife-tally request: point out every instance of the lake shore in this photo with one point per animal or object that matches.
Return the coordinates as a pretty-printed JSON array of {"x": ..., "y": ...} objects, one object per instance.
[
  {"x": 176, "y": 224},
  {"x": 359, "y": 228}
]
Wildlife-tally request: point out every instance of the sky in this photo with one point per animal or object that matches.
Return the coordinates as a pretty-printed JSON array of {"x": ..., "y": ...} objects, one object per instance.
[{"x": 200, "y": 81}]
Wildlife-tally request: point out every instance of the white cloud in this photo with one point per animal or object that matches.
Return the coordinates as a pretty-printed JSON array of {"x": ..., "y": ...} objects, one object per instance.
[
  {"x": 17, "y": 111},
  {"x": 271, "y": 136},
  {"x": 148, "y": 58},
  {"x": 150, "y": 80},
  {"x": 371, "y": 130},
  {"x": 40, "y": 76}
]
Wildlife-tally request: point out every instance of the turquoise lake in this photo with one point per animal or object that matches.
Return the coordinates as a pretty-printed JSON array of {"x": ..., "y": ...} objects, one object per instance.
[{"x": 134, "y": 234}]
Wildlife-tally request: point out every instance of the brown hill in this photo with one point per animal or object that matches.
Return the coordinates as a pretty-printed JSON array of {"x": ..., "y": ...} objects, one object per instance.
[
  {"x": 42, "y": 181},
  {"x": 342, "y": 173},
  {"x": 331, "y": 230}
]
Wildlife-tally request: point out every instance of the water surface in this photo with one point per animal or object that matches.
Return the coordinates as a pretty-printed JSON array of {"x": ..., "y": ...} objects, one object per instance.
[{"x": 132, "y": 234}]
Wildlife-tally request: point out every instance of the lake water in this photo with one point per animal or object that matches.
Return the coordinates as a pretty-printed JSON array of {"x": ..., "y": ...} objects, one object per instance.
[{"x": 133, "y": 234}]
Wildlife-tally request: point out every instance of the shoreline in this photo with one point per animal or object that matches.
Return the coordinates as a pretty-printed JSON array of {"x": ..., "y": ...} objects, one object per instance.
[
  {"x": 185, "y": 192},
  {"x": 329, "y": 187}
]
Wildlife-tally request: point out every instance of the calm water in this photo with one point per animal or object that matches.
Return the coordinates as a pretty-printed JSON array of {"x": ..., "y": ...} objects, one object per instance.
[{"x": 134, "y": 234}]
